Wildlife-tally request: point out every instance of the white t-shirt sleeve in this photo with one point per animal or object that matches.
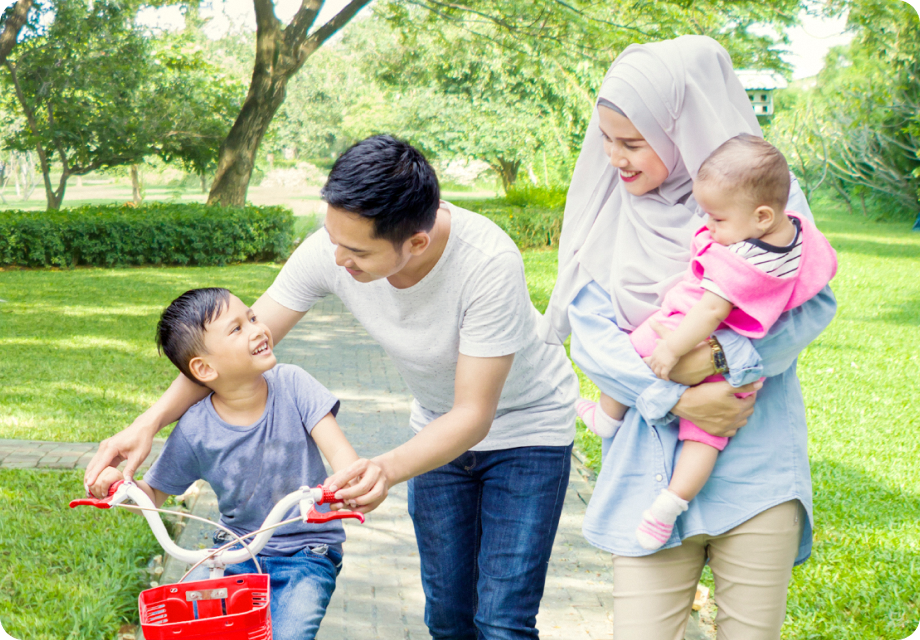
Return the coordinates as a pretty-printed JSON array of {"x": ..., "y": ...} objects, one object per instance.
[
  {"x": 499, "y": 314},
  {"x": 307, "y": 276}
]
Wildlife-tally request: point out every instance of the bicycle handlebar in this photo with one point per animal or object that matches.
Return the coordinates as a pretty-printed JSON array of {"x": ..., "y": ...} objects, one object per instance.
[{"x": 306, "y": 497}]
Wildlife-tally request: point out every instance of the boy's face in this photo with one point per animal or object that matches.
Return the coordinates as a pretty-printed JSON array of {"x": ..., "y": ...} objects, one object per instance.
[
  {"x": 731, "y": 217},
  {"x": 363, "y": 256},
  {"x": 237, "y": 344}
]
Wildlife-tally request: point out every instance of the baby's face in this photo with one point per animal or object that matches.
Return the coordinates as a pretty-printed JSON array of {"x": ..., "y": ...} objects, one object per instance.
[{"x": 730, "y": 215}]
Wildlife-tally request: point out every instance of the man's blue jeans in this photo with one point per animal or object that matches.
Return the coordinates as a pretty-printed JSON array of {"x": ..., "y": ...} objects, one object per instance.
[
  {"x": 301, "y": 587},
  {"x": 485, "y": 525}
]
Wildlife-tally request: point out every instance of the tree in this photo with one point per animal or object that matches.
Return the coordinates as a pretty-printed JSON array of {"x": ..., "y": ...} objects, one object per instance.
[
  {"x": 860, "y": 123},
  {"x": 12, "y": 21},
  {"x": 510, "y": 81},
  {"x": 280, "y": 53},
  {"x": 96, "y": 92}
]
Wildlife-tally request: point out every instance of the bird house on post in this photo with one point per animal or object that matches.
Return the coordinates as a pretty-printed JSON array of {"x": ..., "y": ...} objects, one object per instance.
[{"x": 760, "y": 86}]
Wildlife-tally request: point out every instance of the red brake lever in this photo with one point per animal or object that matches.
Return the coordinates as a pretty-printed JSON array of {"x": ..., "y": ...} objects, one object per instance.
[
  {"x": 329, "y": 498},
  {"x": 316, "y": 516},
  {"x": 104, "y": 503}
]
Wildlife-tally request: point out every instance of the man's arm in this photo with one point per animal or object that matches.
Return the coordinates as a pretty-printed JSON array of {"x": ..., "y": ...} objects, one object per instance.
[
  {"x": 133, "y": 443},
  {"x": 477, "y": 389}
]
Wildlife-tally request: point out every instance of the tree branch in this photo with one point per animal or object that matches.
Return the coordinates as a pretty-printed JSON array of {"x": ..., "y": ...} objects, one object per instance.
[{"x": 318, "y": 37}]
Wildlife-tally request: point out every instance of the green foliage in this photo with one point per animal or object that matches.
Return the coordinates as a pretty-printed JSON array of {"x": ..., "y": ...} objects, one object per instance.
[
  {"x": 158, "y": 233},
  {"x": 857, "y": 129},
  {"x": 95, "y": 91},
  {"x": 532, "y": 216},
  {"x": 67, "y": 574}
]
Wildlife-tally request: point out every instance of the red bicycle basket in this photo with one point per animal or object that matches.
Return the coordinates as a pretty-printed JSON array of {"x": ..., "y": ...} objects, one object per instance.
[{"x": 229, "y": 608}]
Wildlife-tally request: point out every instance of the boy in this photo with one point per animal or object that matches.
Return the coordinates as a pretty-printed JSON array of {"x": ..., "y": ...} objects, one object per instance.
[{"x": 254, "y": 439}]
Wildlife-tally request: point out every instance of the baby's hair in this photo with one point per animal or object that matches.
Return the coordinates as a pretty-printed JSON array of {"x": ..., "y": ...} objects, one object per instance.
[
  {"x": 181, "y": 329},
  {"x": 750, "y": 165}
]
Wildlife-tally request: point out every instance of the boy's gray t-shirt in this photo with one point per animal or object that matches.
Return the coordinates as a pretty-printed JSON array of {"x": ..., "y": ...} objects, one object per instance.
[{"x": 251, "y": 468}]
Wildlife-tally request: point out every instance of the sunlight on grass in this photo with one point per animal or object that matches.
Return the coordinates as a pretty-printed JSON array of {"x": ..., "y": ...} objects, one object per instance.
[
  {"x": 79, "y": 358},
  {"x": 62, "y": 576}
]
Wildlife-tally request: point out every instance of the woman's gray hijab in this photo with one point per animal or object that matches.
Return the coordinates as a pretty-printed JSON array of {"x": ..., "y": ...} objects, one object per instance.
[{"x": 683, "y": 96}]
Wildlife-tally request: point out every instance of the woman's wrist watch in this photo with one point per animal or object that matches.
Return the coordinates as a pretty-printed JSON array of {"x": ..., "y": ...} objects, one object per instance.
[{"x": 719, "y": 362}]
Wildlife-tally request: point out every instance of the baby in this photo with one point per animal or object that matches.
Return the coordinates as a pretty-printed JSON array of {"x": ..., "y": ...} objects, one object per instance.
[{"x": 752, "y": 261}]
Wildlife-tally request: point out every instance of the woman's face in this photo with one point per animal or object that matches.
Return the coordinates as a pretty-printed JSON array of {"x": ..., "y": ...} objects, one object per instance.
[{"x": 641, "y": 170}]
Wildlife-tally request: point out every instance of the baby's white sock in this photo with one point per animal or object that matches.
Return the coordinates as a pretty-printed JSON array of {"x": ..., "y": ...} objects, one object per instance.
[
  {"x": 595, "y": 418},
  {"x": 658, "y": 521}
]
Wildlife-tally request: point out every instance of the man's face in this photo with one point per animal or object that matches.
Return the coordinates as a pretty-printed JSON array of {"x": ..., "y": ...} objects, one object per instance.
[
  {"x": 237, "y": 343},
  {"x": 363, "y": 256}
]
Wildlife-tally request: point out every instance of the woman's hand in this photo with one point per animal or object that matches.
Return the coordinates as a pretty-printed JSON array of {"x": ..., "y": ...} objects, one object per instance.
[
  {"x": 693, "y": 367},
  {"x": 715, "y": 408},
  {"x": 362, "y": 485}
]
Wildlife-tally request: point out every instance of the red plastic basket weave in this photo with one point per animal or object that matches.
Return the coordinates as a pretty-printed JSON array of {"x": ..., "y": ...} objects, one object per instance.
[{"x": 229, "y": 608}]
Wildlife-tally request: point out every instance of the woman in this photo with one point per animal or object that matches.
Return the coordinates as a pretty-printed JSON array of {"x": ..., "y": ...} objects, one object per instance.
[{"x": 625, "y": 242}]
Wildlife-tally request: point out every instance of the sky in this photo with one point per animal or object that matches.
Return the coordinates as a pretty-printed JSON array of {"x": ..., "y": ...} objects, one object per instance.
[{"x": 809, "y": 42}]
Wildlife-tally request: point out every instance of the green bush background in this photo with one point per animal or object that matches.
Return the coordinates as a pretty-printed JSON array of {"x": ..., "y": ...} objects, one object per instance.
[{"x": 157, "y": 233}]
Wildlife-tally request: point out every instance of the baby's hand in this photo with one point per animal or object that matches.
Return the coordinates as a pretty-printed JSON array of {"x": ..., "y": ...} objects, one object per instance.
[
  {"x": 106, "y": 479},
  {"x": 662, "y": 360}
]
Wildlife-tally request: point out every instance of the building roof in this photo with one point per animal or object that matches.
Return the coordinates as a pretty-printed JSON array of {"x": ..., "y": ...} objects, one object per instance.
[{"x": 754, "y": 80}]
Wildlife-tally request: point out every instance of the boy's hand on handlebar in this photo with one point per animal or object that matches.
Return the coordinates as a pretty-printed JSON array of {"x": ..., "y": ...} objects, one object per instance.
[
  {"x": 361, "y": 486},
  {"x": 131, "y": 444},
  {"x": 100, "y": 488}
]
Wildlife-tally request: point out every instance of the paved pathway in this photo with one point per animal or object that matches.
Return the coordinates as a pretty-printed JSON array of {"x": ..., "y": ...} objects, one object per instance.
[{"x": 379, "y": 594}]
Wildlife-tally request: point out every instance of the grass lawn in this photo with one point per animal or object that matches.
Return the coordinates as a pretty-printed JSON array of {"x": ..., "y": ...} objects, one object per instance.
[
  {"x": 79, "y": 363},
  {"x": 79, "y": 359},
  {"x": 67, "y": 574}
]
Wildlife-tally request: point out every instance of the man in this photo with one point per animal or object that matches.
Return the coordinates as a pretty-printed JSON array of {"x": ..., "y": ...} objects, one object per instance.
[{"x": 443, "y": 291}]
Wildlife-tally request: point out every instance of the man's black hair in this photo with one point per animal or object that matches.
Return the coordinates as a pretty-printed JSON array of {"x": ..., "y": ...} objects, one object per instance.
[
  {"x": 181, "y": 329},
  {"x": 388, "y": 181}
]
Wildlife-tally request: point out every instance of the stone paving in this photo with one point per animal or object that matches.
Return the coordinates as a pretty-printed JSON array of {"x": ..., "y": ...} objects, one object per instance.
[
  {"x": 33, "y": 454},
  {"x": 378, "y": 593}
]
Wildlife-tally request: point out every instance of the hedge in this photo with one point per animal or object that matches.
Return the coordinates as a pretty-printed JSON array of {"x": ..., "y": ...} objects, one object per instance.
[{"x": 155, "y": 233}]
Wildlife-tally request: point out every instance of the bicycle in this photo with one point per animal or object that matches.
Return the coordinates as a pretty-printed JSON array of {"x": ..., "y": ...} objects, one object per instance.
[{"x": 225, "y": 608}]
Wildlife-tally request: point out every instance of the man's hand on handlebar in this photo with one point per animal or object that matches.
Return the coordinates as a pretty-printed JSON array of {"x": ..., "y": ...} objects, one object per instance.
[{"x": 132, "y": 444}]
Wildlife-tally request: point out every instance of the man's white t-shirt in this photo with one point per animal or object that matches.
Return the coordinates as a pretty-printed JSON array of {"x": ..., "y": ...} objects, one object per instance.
[{"x": 475, "y": 302}]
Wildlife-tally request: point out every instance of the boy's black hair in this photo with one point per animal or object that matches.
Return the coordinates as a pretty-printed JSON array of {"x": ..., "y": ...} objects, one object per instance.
[
  {"x": 388, "y": 181},
  {"x": 181, "y": 329}
]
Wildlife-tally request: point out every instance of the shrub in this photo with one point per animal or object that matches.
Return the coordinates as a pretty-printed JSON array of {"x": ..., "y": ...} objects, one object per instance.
[
  {"x": 531, "y": 216},
  {"x": 157, "y": 233}
]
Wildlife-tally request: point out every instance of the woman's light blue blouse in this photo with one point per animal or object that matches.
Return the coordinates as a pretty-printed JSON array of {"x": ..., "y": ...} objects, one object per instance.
[{"x": 764, "y": 465}]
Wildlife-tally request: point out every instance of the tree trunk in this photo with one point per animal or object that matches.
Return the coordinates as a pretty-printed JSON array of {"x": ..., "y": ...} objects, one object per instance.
[
  {"x": 204, "y": 182},
  {"x": 136, "y": 190},
  {"x": 238, "y": 152},
  {"x": 280, "y": 53},
  {"x": 507, "y": 171}
]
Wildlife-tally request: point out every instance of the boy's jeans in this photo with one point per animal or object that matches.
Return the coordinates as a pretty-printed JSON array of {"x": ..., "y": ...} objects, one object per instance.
[
  {"x": 301, "y": 587},
  {"x": 485, "y": 525}
]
